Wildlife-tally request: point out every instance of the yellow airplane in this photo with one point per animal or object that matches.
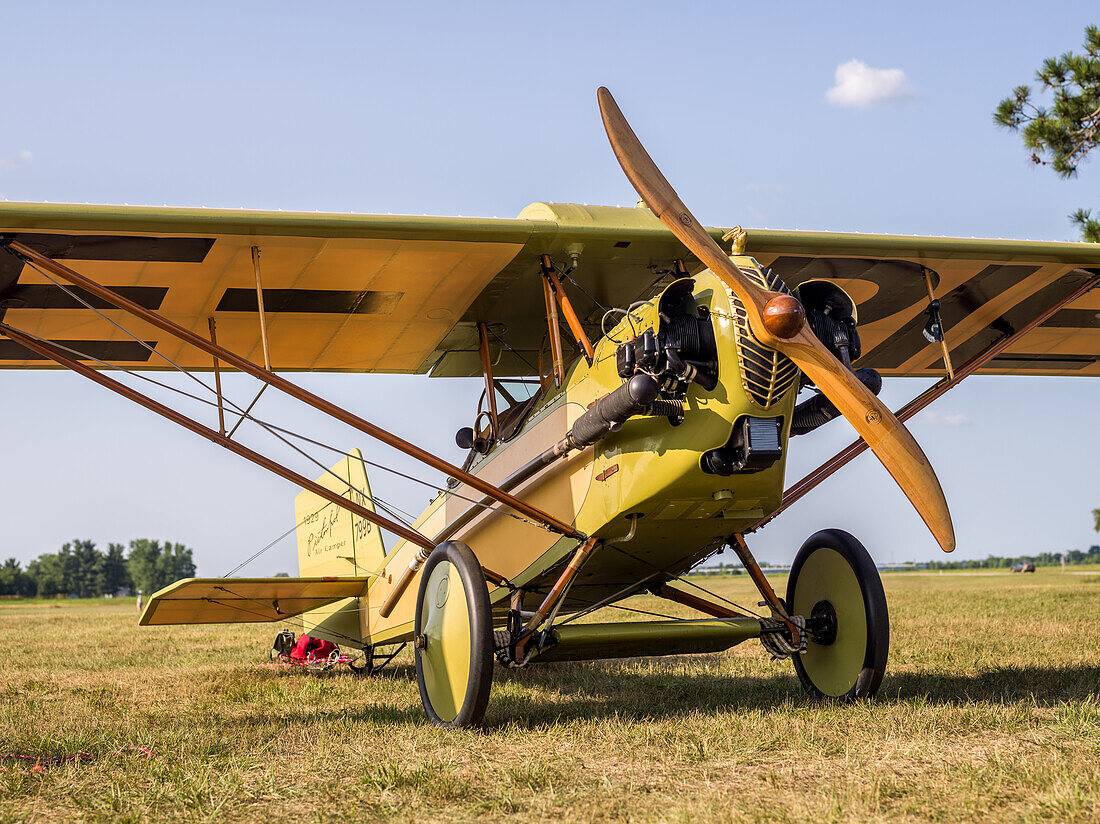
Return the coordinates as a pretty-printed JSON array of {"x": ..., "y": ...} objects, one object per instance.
[{"x": 641, "y": 387}]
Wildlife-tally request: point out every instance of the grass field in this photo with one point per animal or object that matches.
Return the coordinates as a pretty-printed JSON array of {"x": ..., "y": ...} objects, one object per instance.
[{"x": 990, "y": 711}]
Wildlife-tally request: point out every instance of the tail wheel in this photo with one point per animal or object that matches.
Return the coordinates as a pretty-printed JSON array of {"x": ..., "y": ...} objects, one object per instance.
[
  {"x": 835, "y": 585},
  {"x": 454, "y": 630}
]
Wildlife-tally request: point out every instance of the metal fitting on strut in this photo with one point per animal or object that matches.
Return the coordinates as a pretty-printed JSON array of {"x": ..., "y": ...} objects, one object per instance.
[{"x": 776, "y": 639}]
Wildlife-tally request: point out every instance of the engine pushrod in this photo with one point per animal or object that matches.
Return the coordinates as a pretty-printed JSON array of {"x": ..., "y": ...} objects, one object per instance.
[{"x": 295, "y": 391}]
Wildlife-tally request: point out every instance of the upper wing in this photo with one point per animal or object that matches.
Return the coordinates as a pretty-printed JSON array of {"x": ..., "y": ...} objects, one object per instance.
[
  {"x": 245, "y": 600},
  {"x": 403, "y": 294}
]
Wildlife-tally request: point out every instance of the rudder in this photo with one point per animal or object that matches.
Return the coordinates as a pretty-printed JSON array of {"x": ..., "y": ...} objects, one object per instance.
[{"x": 335, "y": 542}]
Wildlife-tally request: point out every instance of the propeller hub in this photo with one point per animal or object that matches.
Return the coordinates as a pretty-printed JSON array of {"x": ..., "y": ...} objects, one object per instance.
[{"x": 784, "y": 316}]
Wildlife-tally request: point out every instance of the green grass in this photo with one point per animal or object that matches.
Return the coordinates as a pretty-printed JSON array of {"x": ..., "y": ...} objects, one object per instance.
[{"x": 990, "y": 711}]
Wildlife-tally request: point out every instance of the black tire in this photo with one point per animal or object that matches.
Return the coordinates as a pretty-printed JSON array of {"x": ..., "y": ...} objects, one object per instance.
[
  {"x": 454, "y": 690},
  {"x": 851, "y": 663}
]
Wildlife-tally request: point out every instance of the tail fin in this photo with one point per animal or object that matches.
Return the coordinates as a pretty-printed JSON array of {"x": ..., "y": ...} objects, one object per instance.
[{"x": 334, "y": 542}]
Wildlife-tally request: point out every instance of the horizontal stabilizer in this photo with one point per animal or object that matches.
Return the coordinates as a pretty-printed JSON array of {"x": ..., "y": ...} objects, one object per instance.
[{"x": 245, "y": 600}]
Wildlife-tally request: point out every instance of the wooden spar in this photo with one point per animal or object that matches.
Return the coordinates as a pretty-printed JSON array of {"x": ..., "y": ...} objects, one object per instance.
[
  {"x": 555, "y": 334},
  {"x": 706, "y": 606},
  {"x": 567, "y": 309},
  {"x": 196, "y": 427},
  {"x": 248, "y": 409},
  {"x": 260, "y": 306},
  {"x": 263, "y": 340},
  {"x": 403, "y": 582},
  {"x": 555, "y": 595},
  {"x": 919, "y": 403},
  {"x": 943, "y": 332},
  {"x": 764, "y": 586},
  {"x": 294, "y": 391},
  {"x": 411, "y": 535},
  {"x": 410, "y": 572},
  {"x": 487, "y": 371},
  {"x": 558, "y": 590}
]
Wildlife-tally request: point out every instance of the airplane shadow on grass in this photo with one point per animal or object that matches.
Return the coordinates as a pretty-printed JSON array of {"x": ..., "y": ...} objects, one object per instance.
[
  {"x": 595, "y": 690},
  {"x": 554, "y": 693}
]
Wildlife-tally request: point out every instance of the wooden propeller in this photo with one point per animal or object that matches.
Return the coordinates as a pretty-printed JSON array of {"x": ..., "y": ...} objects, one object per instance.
[{"x": 778, "y": 321}]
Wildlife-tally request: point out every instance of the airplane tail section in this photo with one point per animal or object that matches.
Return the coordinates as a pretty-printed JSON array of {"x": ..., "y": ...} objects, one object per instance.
[
  {"x": 338, "y": 553},
  {"x": 333, "y": 542}
]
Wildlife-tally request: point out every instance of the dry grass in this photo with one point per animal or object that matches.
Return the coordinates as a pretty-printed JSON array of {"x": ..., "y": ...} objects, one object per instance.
[{"x": 990, "y": 712}]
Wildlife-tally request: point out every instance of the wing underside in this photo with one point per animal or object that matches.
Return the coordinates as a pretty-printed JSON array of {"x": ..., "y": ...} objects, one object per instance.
[
  {"x": 982, "y": 299},
  {"x": 353, "y": 295}
]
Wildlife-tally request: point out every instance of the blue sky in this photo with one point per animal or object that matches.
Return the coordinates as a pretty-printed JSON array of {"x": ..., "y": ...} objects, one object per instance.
[{"x": 480, "y": 109}]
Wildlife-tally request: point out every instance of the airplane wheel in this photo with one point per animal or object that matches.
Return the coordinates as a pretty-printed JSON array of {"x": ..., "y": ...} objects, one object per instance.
[
  {"x": 454, "y": 637},
  {"x": 835, "y": 585}
]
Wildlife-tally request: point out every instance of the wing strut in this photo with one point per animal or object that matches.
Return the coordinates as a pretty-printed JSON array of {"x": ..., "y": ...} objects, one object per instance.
[
  {"x": 263, "y": 339},
  {"x": 280, "y": 383},
  {"x": 217, "y": 375},
  {"x": 934, "y": 330},
  {"x": 260, "y": 306}
]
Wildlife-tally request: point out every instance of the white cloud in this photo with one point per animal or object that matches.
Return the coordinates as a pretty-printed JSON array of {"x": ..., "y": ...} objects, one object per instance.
[
  {"x": 860, "y": 86},
  {"x": 20, "y": 158},
  {"x": 944, "y": 418}
]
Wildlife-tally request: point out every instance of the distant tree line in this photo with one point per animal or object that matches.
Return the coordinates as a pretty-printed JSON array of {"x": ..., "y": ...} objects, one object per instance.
[
  {"x": 80, "y": 569},
  {"x": 1072, "y": 556}
]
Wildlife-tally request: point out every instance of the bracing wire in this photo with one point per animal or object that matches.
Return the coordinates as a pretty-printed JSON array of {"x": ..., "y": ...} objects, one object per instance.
[
  {"x": 676, "y": 618},
  {"x": 684, "y": 580},
  {"x": 152, "y": 349},
  {"x": 509, "y": 347},
  {"x": 565, "y": 276},
  {"x": 632, "y": 589},
  {"x": 624, "y": 592},
  {"x": 244, "y": 413},
  {"x": 275, "y": 431},
  {"x": 271, "y": 428},
  {"x": 256, "y": 555}
]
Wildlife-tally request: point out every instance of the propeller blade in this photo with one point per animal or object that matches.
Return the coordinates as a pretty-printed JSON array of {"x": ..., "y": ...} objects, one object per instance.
[{"x": 777, "y": 321}]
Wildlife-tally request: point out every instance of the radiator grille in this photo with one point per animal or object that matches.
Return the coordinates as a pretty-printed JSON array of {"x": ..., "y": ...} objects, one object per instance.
[{"x": 766, "y": 374}]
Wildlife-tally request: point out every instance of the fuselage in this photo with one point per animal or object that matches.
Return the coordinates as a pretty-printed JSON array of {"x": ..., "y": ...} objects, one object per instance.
[{"x": 643, "y": 489}]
